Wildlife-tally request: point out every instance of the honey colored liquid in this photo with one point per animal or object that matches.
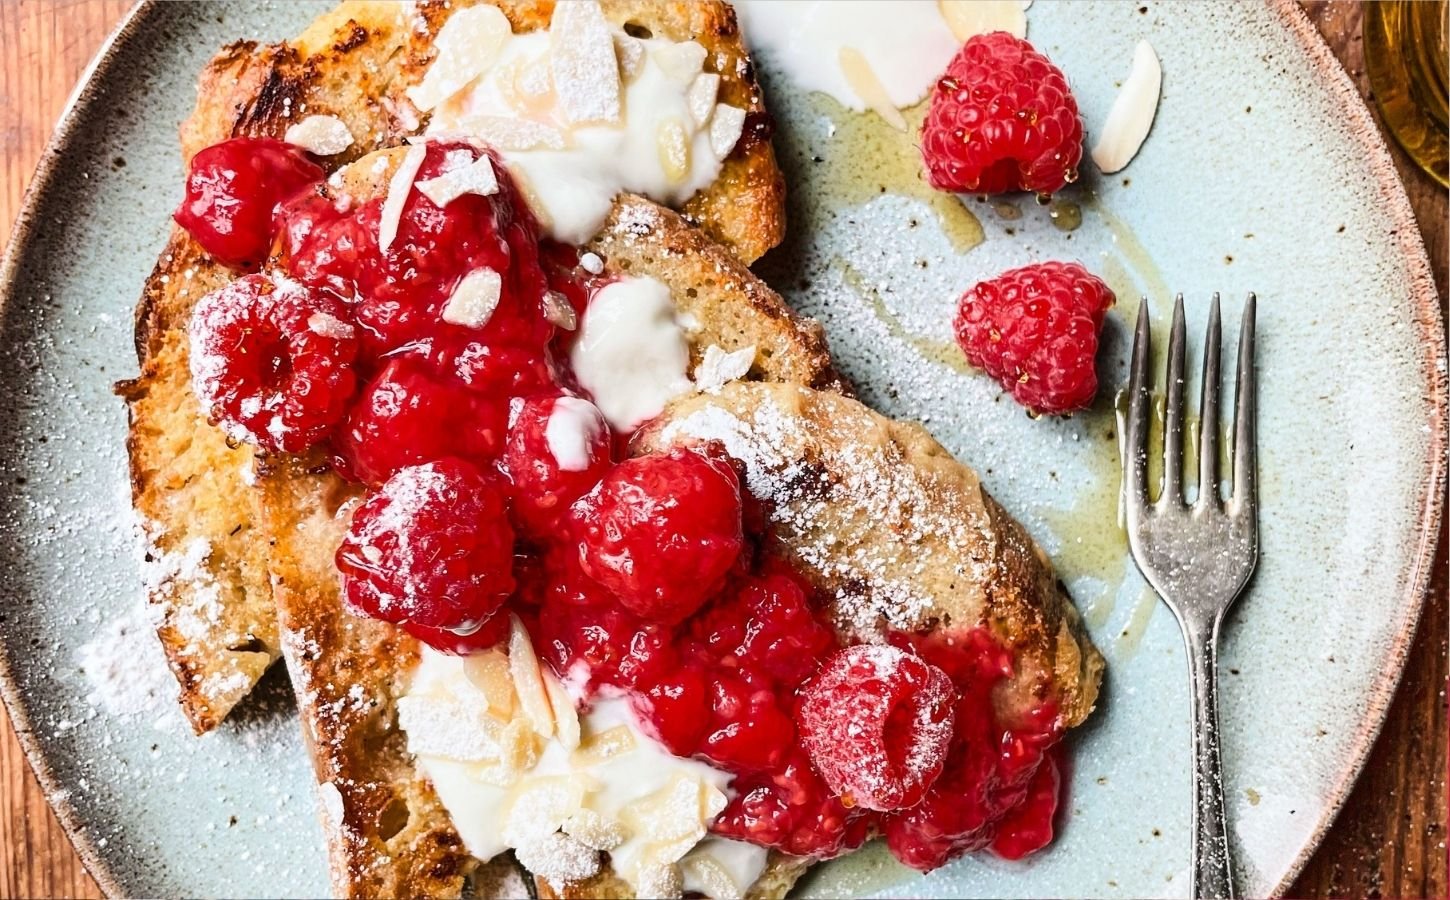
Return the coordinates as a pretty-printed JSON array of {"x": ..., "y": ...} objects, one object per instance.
[{"x": 1406, "y": 45}]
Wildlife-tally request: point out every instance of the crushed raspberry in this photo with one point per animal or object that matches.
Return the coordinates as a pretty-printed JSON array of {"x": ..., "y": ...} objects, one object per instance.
[
  {"x": 402, "y": 293},
  {"x": 233, "y": 189},
  {"x": 661, "y": 531},
  {"x": 557, "y": 448},
  {"x": 1001, "y": 119},
  {"x": 676, "y": 710},
  {"x": 1035, "y": 330},
  {"x": 272, "y": 362},
  {"x": 765, "y": 623},
  {"x": 410, "y": 414},
  {"x": 1028, "y": 828},
  {"x": 876, "y": 722},
  {"x": 792, "y": 810},
  {"x": 432, "y": 547}
]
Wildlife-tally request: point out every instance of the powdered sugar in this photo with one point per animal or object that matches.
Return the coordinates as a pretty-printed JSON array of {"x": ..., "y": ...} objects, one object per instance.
[
  {"x": 126, "y": 668},
  {"x": 854, "y": 511}
]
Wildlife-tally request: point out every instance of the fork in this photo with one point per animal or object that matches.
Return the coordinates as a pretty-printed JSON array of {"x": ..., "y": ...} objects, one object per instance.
[{"x": 1198, "y": 556}]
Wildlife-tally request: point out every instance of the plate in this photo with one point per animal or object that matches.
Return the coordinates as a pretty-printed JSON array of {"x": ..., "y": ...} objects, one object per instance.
[{"x": 1263, "y": 173}]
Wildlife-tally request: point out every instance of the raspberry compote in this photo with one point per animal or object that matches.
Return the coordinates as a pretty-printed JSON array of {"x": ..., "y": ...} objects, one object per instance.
[{"x": 494, "y": 487}]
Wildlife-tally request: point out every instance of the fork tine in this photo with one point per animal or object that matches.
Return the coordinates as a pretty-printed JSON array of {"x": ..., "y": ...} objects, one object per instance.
[
  {"x": 1172, "y": 493},
  {"x": 1246, "y": 490},
  {"x": 1208, "y": 415},
  {"x": 1136, "y": 476}
]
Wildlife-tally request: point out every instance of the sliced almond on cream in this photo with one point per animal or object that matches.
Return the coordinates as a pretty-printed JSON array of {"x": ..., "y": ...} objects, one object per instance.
[
  {"x": 477, "y": 177},
  {"x": 566, "y": 717},
  {"x": 700, "y": 98},
  {"x": 607, "y": 744},
  {"x": 529, "y": 680},
  {"x": 681, "y": 62},
  {"x": 449, "y": 727},
  {"x": 507, "y": 133},
  {"x": 969, "y": 18},
  {"x": 594, "y": 830},
  {"x": 585, "y": 68},
  {"x": 399, "y": 187},
  {"x": 630, "y": 51},
  {"x": 1131, "y": 117},
  {"x": 725, "y": 129},
  {"x": 541, "y": 806},
  {"x": 708, "y": 874},
  {"x": 474, "y": 299},
  {"x": 673, "y": 142},
  {"x": 862, "y": 79},
  {"x": 467, "y": 45},
  {"x": 320, "y": 135},
  {"x": 489, "y": 672},
  {"x": 658, "y": 880}
]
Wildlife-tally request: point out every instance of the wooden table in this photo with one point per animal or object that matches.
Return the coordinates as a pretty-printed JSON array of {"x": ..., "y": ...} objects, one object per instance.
[{"x": 1389, "y": 840}]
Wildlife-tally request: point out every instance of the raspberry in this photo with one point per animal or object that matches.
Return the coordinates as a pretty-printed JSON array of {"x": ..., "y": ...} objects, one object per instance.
[
  {"x": 676, "y": 710},
  {"x": 557, "y": 448},
  {"x": 233, "y": 189},
  {"x": 793, "y": 811},
  {"x": 749, "y": 732},
  {"x": 877, "y": 722},
  {"x": 1028, "y": 828},
  {"x": 1001, "y": 119},
  {"x": 432, "y": 547},
  {"x": 410, "y": 414},
  {"x": 1035, "y": 330},
  {"x": 661, "y": 531},
  {"x": 765, "y": 624},
  {"x": 272, "y": 362}
]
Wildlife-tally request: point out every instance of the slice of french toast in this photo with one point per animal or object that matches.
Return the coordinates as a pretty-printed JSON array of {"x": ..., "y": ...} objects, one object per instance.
[
  {"x": 388, "y": 834},
  {"x": 190, "y": 485}
]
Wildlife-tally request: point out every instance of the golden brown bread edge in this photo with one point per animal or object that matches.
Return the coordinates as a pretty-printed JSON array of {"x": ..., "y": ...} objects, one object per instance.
[
  {"x": 387, "y": 833},
  {"x": 895, "y": 532},
  {"x": 218, "y": 623}
]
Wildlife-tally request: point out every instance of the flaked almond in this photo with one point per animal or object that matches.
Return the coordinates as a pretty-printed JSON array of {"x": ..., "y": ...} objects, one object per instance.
[
  {"x": 320, "y": 323},
  {"x": 700, "y": 98},
  {"x": 320, "y": 135},
  {"x": 477, "y": 177},
  {"x": 448, "y": 726},
  {"x": 718, "y": 368},
  {"x": 630, "y": 51},
  {"x": 680, "y": 62},
  {"x": 655, "y": 880},
  {"x": 399, "y": 187},
  {"x": 467, "y": 46},
  {"x": 527, "y": 85},
  {"x": 1132, "y": 114},
  {"x": 474, "y": 299},
  {"x": 673, "y": 142},
  {"x": 711, "y": 878},
  {"x": 559, "y": 311},
  {"x": 489, "y": 672},
  {"x": 540, "y": 806},
  {"x": 594, "y": 830},
  {"x": 583, "y": 62},
  {"x": 862, "y": 79},
  {"x": 529, "y": 680},
  {"x": 566, "y": 717},
  {"x": 518, "y": 746},
  {"x": 607, "y": 744},
  {"x": 726, "y": 126},
  {"x": 507, "y": 133},
  {"x": 969, "y": 18},
  {"x": 671, "y": 819}
]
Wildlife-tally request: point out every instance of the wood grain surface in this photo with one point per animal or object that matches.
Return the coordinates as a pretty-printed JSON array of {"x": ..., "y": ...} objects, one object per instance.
[{"x": 1389, "y": 840}]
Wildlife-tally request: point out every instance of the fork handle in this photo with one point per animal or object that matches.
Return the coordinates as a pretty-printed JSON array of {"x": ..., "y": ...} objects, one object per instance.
[{"x": 1212, "y": 870}]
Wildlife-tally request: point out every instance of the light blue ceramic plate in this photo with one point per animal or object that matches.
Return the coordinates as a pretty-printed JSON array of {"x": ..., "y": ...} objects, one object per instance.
[{"x": 1263, "y": 173}]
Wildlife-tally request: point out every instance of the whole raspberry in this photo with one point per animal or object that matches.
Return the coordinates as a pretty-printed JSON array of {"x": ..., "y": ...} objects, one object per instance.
[
  {"x": 1035, "y": 330},
  {"x": 233, "y": 189},
  {"x": 272, "y": 362},
  {"x": 877, "y": 722},
  {"x": 1001, "y": 119},
  {"x": 557, "y": 448},
  {"x": 432, "y": 547},
  {"x": 661, "y": 531}
]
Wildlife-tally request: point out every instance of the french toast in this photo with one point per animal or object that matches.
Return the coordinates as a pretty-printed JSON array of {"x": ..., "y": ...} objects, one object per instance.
[
  {"x": 388, "y": 833},
  {"x": 190, "y": 485}
]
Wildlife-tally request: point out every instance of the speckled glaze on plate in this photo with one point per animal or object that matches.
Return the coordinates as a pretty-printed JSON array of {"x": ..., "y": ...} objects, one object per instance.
[{"x": 1263, "y": 173}]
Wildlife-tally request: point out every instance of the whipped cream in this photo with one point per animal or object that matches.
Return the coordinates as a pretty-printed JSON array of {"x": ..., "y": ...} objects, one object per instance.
[
  {"x": 632, "y": 354},
  {"x": 616, "y": 788},
  {"x": 580, "y": 112},
  {"x": 572, "y": 427}
]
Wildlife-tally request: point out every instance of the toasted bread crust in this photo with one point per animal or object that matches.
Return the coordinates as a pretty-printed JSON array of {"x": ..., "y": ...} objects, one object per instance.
[
  {"x": 353, "y": 63},
  {"x": 349, "y": 670},
  {"x": 896, "y": 532}
]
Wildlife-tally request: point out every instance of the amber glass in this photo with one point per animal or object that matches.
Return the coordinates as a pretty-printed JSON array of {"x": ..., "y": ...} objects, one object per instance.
[{"x": 1406, "y": 47}]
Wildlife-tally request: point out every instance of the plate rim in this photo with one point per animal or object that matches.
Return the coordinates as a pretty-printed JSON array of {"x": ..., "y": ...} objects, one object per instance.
[{"x": 1423, "y": 296}]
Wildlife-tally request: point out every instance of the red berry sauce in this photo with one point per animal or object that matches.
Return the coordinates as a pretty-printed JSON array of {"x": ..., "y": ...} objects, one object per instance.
[
  {"x": 644, "y": 576},
  {"x": 232, "y": 191}
]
